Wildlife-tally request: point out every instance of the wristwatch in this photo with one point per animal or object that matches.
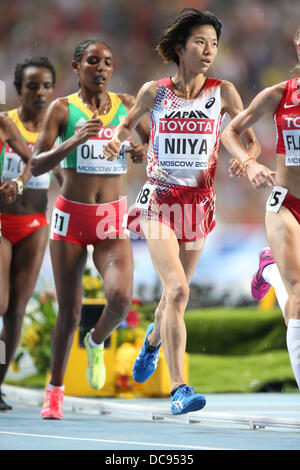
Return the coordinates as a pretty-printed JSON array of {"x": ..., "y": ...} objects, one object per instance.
[{"x": 20, "y": 185}]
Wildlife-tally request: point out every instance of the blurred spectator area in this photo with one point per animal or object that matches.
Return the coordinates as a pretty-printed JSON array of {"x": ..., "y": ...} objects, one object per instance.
[{"x": 256, "y": 50}]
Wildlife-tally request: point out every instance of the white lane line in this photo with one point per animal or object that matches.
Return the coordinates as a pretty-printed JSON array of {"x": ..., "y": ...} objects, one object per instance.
[{"x": 108, "y": 441}]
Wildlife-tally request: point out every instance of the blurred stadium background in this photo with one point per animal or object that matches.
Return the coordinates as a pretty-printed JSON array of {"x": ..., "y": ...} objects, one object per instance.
[{"x": 256, "y": 50}]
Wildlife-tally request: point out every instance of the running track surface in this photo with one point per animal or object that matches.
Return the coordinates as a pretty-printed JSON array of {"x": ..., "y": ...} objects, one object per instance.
[{"x": 24, "y": 429}]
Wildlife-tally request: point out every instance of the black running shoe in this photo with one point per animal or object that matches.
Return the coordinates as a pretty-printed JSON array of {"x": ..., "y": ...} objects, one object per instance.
[{"x": 3, "y": 405}]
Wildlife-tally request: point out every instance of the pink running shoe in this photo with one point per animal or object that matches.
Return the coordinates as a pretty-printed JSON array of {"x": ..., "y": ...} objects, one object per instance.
[
  {"x": 52, "y": 408},
  {"x": 259, "y": 287}
]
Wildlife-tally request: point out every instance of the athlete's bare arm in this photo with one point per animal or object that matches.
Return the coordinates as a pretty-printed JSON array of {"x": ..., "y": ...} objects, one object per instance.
[
  {"x": 143, "y": 125},
  {"x": 45, "y": 157},
  {"x": 265, "y": 102},
  {"x": 10, "y": 133},
  {"x": 144, "y": 103},
  {"x": 137, "y": 151}
]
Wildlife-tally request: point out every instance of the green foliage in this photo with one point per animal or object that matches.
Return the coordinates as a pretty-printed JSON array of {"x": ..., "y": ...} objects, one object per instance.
[
  {"x": 230, "y": 350},
  {"x": 239, "y": 331},
  {"x": 245, "y": 374},
  {"x": 36, "y": 338},
  {"x": 92, "y": 287}
]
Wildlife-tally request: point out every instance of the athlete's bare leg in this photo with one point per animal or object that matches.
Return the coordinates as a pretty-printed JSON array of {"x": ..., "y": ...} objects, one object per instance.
[
  {"x": 189, "y": 254},
  {"x": 5, "y": 261},
  {"x": 114, "y": 261},
  {"x": 26, "y": 261},
  {"x": 68, "y": 262},
  {"x": 284, "y": 236},
  {"x": 165, "y": 253}
]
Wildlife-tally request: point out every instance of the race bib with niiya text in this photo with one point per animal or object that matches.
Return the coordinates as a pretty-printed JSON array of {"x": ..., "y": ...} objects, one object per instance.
[
  {"x": 185, "y": 143},
  {"x": 291, "y": 136},
  {"x": 90, "y": 158}
]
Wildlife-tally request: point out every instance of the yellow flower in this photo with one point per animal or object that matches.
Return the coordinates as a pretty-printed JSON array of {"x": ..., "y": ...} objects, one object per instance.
[
  {"x": 124, "y": 359},
  {"x": 14, "y": 366},
  {"x": 91, "y": 283},
  {"x": 31, "y": 337},
  {"x": 139, "y": 334}
]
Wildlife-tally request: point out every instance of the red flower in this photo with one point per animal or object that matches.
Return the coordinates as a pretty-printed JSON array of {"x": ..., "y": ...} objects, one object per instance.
[{"x": 132, "y": 318}]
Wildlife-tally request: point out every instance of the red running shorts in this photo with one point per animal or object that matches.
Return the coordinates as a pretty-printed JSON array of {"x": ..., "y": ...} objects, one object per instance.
[
  {"x": 87, "y": 224},
  {"x": 188, "y": 211},
  {"x": 292, "y": 203},
  {"x": 16, "y": 227}
]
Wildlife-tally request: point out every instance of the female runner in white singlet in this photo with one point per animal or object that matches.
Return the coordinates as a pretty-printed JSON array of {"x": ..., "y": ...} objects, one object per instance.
[
  {"x": 175, "y": 208},
  {"x": 283, "y": 206}
]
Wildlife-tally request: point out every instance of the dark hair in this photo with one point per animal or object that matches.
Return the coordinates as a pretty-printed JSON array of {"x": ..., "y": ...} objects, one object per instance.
[
  {"x": 35, "y": 62},
  {"x": 83, "y": 45},
  {"x": 179, "y": 30}
]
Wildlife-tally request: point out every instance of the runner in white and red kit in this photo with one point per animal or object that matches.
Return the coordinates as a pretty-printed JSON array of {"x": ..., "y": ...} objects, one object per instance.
[
  {"x": 283, "y": 206},
  {"x": 175, "y": 208},
  {"x": 182, "y": 160}
]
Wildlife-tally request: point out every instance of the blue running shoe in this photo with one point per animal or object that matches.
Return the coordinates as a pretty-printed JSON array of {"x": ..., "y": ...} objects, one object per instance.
[
  {"x": 146, "y": 362},
  {"x": 184, "y": 400}
]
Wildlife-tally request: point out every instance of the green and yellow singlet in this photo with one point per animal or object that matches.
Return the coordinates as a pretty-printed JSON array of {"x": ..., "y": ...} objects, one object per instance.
[{"x": 88, "y": 157}]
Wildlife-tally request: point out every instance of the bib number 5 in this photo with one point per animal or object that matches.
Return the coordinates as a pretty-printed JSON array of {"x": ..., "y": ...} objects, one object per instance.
[{"x": 276, "y": 199}]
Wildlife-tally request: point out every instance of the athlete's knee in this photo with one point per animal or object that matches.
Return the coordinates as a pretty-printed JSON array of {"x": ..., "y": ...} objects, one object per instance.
[
  {"x": 68, "y": 319},
  {"x": 293, "y": 304},
  {"x": 118, "y": 301},
  {"x": 4, "y": 300},
  {"x": 178, "y": 293}
]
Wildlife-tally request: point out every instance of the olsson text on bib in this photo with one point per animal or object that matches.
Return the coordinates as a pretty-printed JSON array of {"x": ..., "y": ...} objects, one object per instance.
[{"x": 90, "y": 158}]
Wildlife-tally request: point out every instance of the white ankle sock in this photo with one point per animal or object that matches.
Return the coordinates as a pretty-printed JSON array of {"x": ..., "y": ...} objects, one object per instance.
[
  {"x": 293, "y": 345},
  {"x": 51, "y": 387},
  {"x": 92, "y": 342},
  {"x": 272, "y": 276}
]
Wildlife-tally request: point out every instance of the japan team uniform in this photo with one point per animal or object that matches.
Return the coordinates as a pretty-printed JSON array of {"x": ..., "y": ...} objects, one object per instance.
[{"x": 182, "y": 160}]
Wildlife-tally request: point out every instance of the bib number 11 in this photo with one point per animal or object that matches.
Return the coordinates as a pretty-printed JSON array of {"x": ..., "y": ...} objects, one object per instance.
[{"x": 60, "y": 222}]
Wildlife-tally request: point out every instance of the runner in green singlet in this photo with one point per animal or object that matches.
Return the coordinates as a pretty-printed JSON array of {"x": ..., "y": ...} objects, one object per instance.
[{"x": 89, "y": 210}]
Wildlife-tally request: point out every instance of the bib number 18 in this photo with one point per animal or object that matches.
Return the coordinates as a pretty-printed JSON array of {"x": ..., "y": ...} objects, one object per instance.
[{"x": 144, "y": 196}]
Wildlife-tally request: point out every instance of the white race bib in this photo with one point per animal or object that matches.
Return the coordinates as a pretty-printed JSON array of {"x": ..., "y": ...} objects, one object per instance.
[
  {"x": 276, "y": 199},
  {"x": 60, "y": 222},
  {"x": 291, "y": 137},
  {"x": 144, "y": 197},
  {"x": 13, "y": 166},
  {"x": 185, "y": 143},
  {"x": 90, "y": 158}
]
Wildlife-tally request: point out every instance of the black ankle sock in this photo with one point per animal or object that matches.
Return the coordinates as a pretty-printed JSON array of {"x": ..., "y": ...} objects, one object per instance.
[
  {"x": 149, "y": 347},
  {"x": 173, "y": 391}
]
